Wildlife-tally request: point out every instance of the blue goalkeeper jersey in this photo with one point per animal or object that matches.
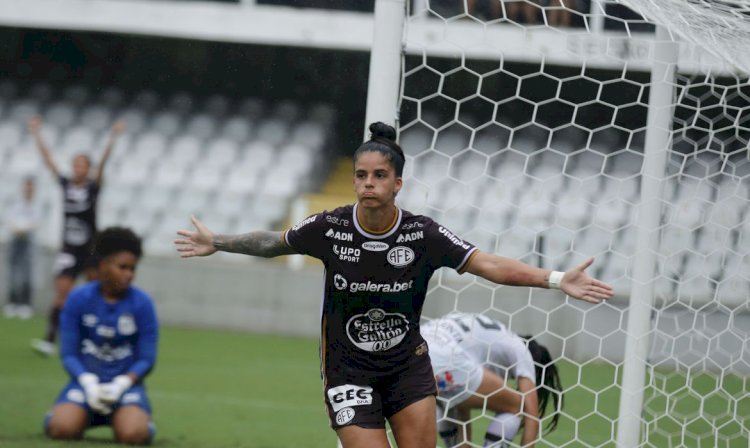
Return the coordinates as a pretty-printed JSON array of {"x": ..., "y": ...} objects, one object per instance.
[{"x": 108, "y": 339}]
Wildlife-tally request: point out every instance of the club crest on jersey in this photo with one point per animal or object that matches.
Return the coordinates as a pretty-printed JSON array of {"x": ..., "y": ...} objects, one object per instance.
[
  {"x": 411, "y": 236},
  {"x": 376, "y": 330},
  {"x": 126, "y": 325},
  {"x": 344, "y": 416},
  {"x": 341, "y": 236},
  {"x": 400, "y": 256}
]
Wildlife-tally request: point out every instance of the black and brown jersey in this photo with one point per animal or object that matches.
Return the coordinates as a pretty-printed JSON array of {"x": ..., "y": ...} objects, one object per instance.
[
  {"x": 79, "y": 206},
  {"x": 375, "y": 284}
]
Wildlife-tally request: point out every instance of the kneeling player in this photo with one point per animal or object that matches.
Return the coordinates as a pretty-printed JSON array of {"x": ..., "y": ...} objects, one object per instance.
[
  {"x": 472, "y": 356},
  {"x": 109, "y": 335}
]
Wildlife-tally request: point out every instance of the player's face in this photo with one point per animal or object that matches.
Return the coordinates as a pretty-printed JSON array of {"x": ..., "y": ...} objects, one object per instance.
[
  {"x": 117, "y": 271},
  {"x": 81, "y": 167},
  {"x": 375, "y": 180}
]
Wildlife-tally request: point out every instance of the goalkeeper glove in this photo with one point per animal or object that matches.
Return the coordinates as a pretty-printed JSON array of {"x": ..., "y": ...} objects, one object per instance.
[
  {"x": 92, "y": 389},
  {"x": 112, "y": 391}
]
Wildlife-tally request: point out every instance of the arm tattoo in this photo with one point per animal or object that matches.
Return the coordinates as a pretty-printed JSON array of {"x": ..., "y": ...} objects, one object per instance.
[{"x": 259, "y": 243}]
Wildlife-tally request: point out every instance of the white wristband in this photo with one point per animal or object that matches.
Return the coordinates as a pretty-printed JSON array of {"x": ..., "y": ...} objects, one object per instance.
[{"x": 555, "y": 278}]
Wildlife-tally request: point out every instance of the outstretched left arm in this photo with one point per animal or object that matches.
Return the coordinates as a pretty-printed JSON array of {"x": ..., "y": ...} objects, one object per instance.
[
  {"x": 506, "y": 271},
  {"x": 117, "y": 129}
]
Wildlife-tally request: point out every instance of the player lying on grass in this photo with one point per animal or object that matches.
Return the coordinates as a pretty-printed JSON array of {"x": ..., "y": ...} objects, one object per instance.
[
  {"x": 472, "y": 357},
  {"x": 378, "y": 262},
  {"x": 108, "y": 342}
]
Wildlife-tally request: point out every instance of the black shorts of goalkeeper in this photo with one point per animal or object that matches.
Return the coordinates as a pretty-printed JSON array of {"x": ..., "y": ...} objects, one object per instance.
[{"x": 367, "y": 399}]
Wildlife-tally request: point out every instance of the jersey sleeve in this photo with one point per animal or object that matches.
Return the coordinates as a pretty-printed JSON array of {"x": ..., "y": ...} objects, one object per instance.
[
  {"x": 308, "y": 236},
  {"x": 521, "y": 364},
  {"x": 148, "y": 336},
  {"x": 446, "y": 248},
  {"x": 70, "y": 335}
]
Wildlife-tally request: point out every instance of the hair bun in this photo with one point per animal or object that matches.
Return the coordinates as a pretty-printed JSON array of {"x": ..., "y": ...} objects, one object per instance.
[{"x": 382, "y": 130}]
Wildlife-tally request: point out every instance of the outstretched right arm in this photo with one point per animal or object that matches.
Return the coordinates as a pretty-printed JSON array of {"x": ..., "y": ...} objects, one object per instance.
[
  {"x": 202, "y": 242},
  {"x": 35, "y": 126}
]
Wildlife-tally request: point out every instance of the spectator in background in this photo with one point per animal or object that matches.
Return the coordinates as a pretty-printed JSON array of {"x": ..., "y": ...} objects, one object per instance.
[
  {"x": 23, "y": 216},
  {"x": 108, "y": 344},
  {"x": 79, "y": 225}
]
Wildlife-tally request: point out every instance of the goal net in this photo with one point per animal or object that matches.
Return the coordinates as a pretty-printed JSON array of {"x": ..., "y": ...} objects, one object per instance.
[{"x": 554, "y": 131}]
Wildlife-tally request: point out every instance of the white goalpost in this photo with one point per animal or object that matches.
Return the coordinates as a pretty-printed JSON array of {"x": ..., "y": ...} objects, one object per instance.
[{"x": 622, "y": 131}]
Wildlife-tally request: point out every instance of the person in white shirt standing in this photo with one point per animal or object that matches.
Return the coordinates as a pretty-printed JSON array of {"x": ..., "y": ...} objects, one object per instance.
[{"x": 23, "y": 218}]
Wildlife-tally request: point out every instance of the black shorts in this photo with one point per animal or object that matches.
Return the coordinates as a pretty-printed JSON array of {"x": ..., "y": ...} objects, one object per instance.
[
  {"x": 73, "y": 260},
  {"x": 367, "y": 399}
]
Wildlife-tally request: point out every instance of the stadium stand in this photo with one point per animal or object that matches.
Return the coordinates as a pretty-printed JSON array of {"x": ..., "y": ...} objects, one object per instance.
[{"x": 180, "y": 155}]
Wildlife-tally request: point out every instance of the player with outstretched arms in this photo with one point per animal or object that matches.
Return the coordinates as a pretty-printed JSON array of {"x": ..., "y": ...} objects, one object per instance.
[
  {"x": 108, "y": 344},
  {"x": 378, "y": 261},
  {"x": 80, "y": 196},
  {"x": 472, "y": 357}
]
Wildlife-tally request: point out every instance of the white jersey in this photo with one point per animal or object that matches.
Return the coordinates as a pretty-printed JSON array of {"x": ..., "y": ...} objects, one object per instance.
[{"x": 462, "y": 344}]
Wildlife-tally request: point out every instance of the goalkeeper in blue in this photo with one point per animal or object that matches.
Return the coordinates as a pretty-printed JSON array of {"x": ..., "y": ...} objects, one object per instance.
[
  {"x": 473, "y": 356},
  {"x": 109, "y": 334}
]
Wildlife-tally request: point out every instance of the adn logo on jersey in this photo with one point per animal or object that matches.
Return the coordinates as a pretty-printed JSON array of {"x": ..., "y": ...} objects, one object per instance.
[
  {"x": 349, "y": 395},
  {"x": 412, "y": 236},
  {"x": 375, "y": 246},
  {"x": 400, "y": 256},
  {"x": 305, "y": 222},
  {"x": 376, "y": 330},
  {"x": 341, "y": 236},
  {"x": 347, "y": 253}
]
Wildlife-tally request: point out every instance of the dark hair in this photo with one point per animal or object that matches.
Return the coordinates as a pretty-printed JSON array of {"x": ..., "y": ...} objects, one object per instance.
[
  {"x": 113, "y": 240},
  {"x": 383, "y": 140},
  {"x": 547, "y": 380}
]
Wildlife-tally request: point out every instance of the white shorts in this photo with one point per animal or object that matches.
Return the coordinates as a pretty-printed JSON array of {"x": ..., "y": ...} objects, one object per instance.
[{"x": 458, "y": 375}]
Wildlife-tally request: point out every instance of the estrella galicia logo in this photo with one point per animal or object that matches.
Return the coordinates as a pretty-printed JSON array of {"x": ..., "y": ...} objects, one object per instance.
[
  {"x": 376, "y": 330},
  {"x": 339, "y": 282}
]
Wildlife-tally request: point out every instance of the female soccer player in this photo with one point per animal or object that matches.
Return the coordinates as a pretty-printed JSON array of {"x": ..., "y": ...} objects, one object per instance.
[
  {"x": 378, "y": 261},
  {"x": 472, "y": 355},
  {"x": 108, "y": 342},
  {"x": 80, "y": 194}
]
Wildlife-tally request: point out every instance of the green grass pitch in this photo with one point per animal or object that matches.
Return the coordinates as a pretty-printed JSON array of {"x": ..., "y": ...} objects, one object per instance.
[{"x": 228, "y": 389}]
